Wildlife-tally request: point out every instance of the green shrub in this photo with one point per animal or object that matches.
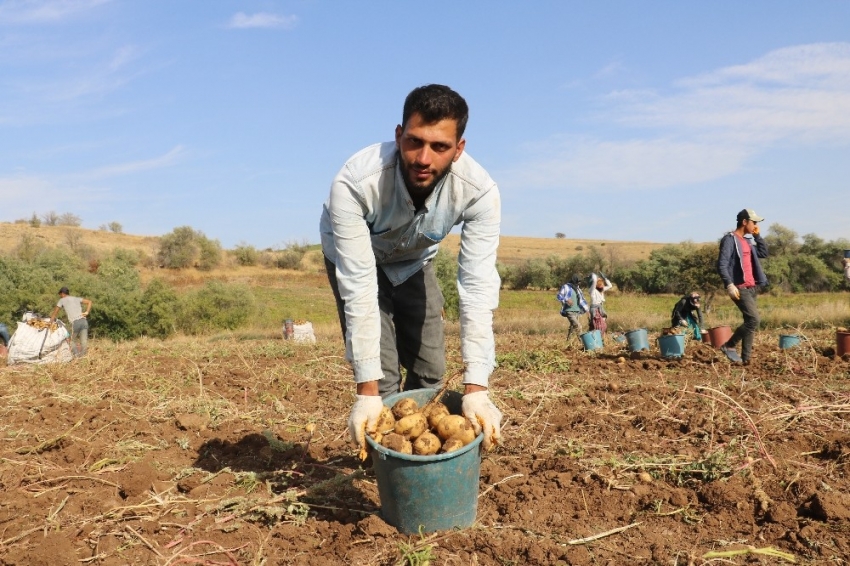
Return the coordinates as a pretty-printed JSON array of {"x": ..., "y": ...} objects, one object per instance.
[
  {"x": 158, "y": 310},
  {"x": 216, "y": 306},
  {"x": 290, "y": 257},
  {"x": 445, "y": 267},
  {"x": 246, "y": 255},
  {"x": 185, "y": 247}
]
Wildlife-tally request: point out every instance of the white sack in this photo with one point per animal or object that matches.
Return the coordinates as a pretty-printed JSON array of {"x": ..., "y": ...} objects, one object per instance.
[{"x": 29, "y": 345}]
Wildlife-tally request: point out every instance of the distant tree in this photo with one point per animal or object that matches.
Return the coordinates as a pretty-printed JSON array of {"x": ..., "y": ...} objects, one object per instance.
[
  {"x": 50, "y": 218},
  {"x": 560, "y": 235},
  {"x": 68, "y": 219},
  {"x": 185, "y": 247},
  {"x": 246, "y": 255},
  {"x": 114, "y": 227},
  {"x": 781, "y": 240},
  {"x": 34, "y": 220}
]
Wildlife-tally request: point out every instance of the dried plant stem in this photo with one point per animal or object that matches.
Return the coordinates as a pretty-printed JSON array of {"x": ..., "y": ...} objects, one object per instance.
[
  {"x": 598, "y": 536},
  {"x": 735, "y": 406}
]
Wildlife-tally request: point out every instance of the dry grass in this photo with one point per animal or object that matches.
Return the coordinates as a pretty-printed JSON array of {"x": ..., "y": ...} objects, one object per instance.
[{"x": 517, "y": 249}]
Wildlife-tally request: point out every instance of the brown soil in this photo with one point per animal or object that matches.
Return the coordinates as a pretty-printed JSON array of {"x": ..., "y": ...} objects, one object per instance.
[{"x": 197, "y": 452}]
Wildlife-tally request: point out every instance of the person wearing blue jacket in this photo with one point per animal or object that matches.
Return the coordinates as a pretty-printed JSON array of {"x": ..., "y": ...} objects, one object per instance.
[{"x": 740, "y": 269}]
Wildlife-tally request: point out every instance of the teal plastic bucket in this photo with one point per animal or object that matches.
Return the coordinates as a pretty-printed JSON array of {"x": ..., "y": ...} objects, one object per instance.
[
  {"x": 788, "y": 341},
  {"x": 428, "y": 493},
  {"x": 592, "y": 340},
  {"x": 672, "y": 345},
  {"x": 637, "y": 339}
]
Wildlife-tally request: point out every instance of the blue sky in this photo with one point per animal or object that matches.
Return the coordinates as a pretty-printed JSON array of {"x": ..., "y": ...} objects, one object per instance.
[{"x": 652, "y": 121}]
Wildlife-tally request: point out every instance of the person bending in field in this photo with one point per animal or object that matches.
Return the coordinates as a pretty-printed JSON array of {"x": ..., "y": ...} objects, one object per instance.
[
  {"x": 77, "y": 318},
  {"x": 847, "y": 269},
  {"x": 573, "y": 304},
  {"x": 598, "y": 317},
  {"x": 687, "y": 314},
  {"x": 389, "y": 207}
]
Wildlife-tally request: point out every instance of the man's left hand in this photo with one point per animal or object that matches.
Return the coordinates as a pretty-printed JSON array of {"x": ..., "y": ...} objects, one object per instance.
[{"x": 484, "y": 416}]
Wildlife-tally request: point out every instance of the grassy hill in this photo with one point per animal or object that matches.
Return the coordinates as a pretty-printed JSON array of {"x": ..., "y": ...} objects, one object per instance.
[{"x": 512, "y": 249}]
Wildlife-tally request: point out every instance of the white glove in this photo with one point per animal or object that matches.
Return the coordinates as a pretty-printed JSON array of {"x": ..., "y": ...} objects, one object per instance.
[
  {"x": 484, "y": 416},
  {"x": 733, "y": 291},
  {"x": 364, "y": 417}
]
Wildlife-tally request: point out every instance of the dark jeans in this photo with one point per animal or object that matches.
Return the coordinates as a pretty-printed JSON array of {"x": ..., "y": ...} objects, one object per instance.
[
  {"x": 411, "y": 329},
  {"x": 747, "y": 331},
  {"x": 4, "y": 335}
]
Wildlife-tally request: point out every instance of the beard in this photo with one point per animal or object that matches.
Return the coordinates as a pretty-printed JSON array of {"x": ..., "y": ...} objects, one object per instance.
[{"x": 418, "y": 188}]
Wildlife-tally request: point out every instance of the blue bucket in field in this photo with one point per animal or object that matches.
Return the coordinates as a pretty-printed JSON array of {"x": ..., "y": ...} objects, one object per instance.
[
  {"x": 428, "y": 493},
  {"x": 788, "y": 341},
  {"x": 637, "y": 339},
  {"x": 591, "y": 340},
  {"x": 672, "y": 345}
]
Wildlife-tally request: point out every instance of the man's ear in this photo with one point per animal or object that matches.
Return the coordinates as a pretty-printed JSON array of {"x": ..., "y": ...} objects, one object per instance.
[
  {"x": 459, "y": 151},
  {"x": 398, "y": 131}
]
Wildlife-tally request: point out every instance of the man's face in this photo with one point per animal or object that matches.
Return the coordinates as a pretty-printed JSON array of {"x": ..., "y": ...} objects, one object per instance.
[
  {"x": 750, "y": 226},
  {"x": 427, "y": 151}
]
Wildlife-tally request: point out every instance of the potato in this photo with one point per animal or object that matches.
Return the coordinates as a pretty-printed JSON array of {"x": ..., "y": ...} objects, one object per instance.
[
  {"x": 436, "y": 413},
  {"x": 398, "y": 443},
  {"x": 452, "y": 425},
  {"x": 404, "y": 407},
  {"x": 466, "y": 435},
  {"x": 386, "y": 422},
  {"x": 411, "y": 426},
  {"x": 452, "y": 444},
  {"x": 426, "y": 444}
]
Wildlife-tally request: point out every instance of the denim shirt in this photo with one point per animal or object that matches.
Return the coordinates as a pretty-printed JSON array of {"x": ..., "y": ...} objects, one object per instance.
[{"x": 370, "y": 221}]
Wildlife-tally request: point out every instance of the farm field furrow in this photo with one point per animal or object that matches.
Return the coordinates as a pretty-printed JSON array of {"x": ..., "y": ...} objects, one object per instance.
[{"x": 198, "y": 451}]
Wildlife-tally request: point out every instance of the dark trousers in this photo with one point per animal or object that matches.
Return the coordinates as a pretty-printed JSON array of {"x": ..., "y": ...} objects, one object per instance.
[
  {"x": 411, "y": 329},
  {"x": 747, "y": 331}
]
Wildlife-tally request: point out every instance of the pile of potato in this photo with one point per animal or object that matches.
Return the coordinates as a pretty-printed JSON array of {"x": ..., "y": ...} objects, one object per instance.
[{"x": 410, "y": 430}]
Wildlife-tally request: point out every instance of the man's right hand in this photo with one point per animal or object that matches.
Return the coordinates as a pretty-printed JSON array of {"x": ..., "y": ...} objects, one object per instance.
[
  {"x": 568, "y": 302},
  {"x": 733, "y": 291},
  {"x": 364, "y": 419}
]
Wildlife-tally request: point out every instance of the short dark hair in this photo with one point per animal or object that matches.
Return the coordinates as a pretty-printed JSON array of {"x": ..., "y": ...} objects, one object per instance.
[{"x": 435, "y": 103}]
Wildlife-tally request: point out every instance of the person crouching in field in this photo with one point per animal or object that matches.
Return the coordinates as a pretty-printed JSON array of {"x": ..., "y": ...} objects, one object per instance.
[
  {"x": 687, "y": 314},
  {"x": 598, "y": 285},
  {"x": 573, "y": 304},
  {"x": 77, "y": 318}
]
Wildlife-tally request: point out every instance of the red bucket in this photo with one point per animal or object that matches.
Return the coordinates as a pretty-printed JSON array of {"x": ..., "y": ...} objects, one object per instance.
[
  {"x": 719, "y": 335},
  {"x": 842, "y": 343}
]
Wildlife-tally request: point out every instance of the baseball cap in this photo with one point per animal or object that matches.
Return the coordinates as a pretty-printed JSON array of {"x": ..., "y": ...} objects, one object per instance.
[
  {"x": 749, "y": 214},
  {"x": 64, "y": 290}
]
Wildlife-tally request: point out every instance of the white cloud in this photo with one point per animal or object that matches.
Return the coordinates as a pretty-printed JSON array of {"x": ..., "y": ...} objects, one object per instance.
[
  {"x": 241, "y": 20},
  {"x": 23, "y": 193},
  {"x": 705, "y": 127},
  {"x": 44, "y": 11},
  {"x": 166, "y": 160},
  {"x": 796, "y": 93},
  {"x": 624, "y": 165}
]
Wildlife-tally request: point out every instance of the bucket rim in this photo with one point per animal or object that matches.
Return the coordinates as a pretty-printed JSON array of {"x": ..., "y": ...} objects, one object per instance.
[
  {"x": 389, "y": 401},
  {"x": 636, "y": 330}
]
